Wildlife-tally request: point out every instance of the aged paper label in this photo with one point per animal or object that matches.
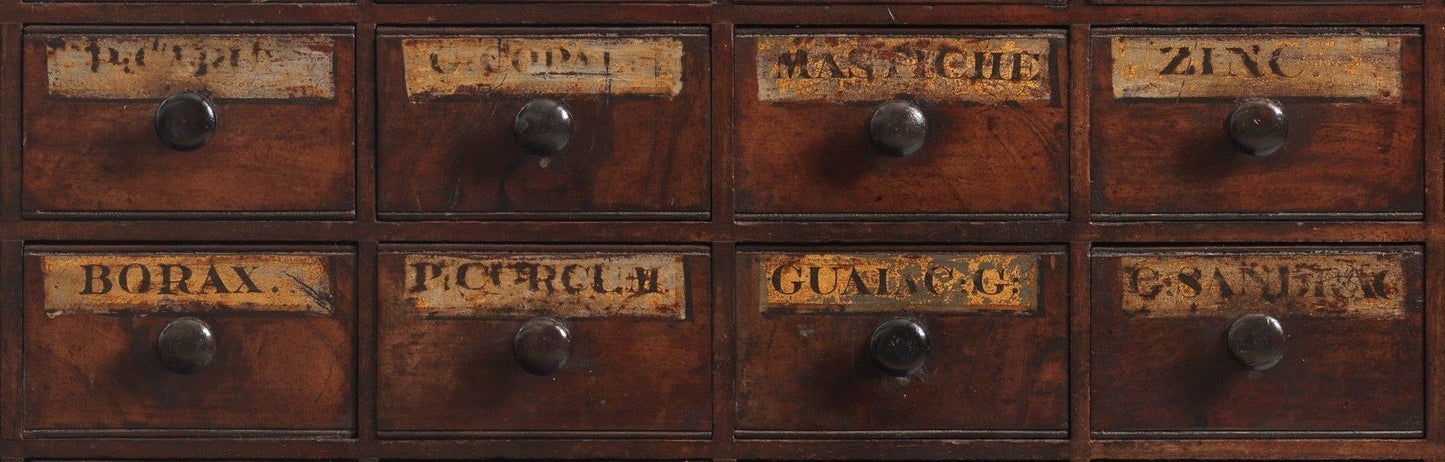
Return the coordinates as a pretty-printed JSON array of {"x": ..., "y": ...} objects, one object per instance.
[
  {"x": 583, "y": 65},
  {"x": 579, "y": 285},
  {"x": 1230, "y": 66},
  {"x": 1355, "y": 285},
  {"x": 157, "y": 66},
  {"x": 877, "y": 283},
  {"x": 155, "y": 283},
  {"x": 849, "y": 68}
]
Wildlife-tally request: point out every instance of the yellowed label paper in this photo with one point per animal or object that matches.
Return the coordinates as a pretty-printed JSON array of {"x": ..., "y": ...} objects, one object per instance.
[
  {"x": 584, "y": 65},
  {"x": 226, "y": 66},
  {"x": 580, "y": 285},
  {"x": 877, "y": 283},
  {"x": 1228, "y": 66},
  {"x": 1361, "y": 285},
  {"x": 848, "y": 68},
  {"x": 156, "y": 283}
]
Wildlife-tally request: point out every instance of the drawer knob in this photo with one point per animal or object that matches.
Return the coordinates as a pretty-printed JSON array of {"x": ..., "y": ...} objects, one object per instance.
[
  {"x": 898, "y": 128},
  {"x": 1257, "y": 341},
  {"x": 542, "y": 346},
  {"x": 1258, "y": 127},
  {"x": 186, "y": 121},
  {"x": 898, "y": 347},
  {"x": 543, "y": 126},
  {"x": 186, "y": 346}
]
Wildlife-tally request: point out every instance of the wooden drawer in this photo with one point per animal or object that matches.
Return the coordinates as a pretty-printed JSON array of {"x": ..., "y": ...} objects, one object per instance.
[
  {"x": 560, "y": 341},
  {"x": 209, "y": 341},
  {"x": 227, "y": 122},
  {"x": 1346, "y": 104},
  {"x": 1290, "y": 342},
  {"x": 496, "y": 123},
  {"x": 901, "y": 125},
  {"x": 897, "y": 342}
]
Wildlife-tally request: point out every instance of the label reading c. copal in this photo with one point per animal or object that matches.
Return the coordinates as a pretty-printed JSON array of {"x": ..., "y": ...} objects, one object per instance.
[
  {"x": 999, "y": 283},
  {"x": 582, "y": 285},
  {"x": 247, "y": 67},
  {"x": 1345, "y": 67},
  {"x": 518, "y": 65},
  {"x": 156, "y": 283},
  {"x": 854, "y": 68},
  {"x": 1349, "y": 285}
]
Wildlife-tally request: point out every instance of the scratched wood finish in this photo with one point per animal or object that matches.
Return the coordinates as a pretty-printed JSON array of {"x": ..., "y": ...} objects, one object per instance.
[
  {"x": 629, "y": 154},
  {"x": 1168, "y": 157},
  {"x": 1341, "y": 376},
  {"x": 816, "y": 157},
  {"x": 986, "y": 373},
  {"x": 456, "y": 377},
  {"x": 96, "y": 155},
  {"x": 279, "y": 371}
]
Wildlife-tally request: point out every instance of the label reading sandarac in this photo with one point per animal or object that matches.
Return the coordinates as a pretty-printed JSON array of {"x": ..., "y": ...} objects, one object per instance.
[
  {"x": 1348, "y": 67},
  {"x": 154, "y": 283},
  {"x": 253, "y": 67},
  {"x": 999, "y": 283},
  {"x": 438, "y": 67},
  {"x": 580, "y": 285},
  {"x": 1352, "y": 285},
  {"x": 855, "y": 68}
]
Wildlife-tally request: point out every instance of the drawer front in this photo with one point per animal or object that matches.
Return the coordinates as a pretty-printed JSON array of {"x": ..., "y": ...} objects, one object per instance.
[
  {"x": 195, "y": 120},
  {"x": 1257, "y": 123},
  {"x": 1257, "y": 342},
  {"x": 902, "y": 343},
  {"x": 888, "y": 124},
  {"x": 496, "y": 341},
  {"x": 199, "y": 341},
  {"x": 495, "y": 123}
]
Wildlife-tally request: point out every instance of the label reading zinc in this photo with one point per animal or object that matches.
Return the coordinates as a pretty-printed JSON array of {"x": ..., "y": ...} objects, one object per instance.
[
  {"x": 880, "y": 283},
  {"x": 568, "y": 285},
  {"x": 477, "y": 66},
  {"x": 849, "y": 68},
  {"x": 155, "y": 283},
  {"x": 1363, "y": 285},
  {"x": 157, "y": 66},
  {"x": 1322, "y": 66}
]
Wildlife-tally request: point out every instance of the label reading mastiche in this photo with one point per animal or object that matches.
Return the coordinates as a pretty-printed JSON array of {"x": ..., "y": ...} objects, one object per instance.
[
  {"x": 1349, "y": 67},
  {"x": 584, "y": 285},
  {"x": 155, "y": 283},
  {"x": 1362, "y": 285},
  {"x": 478, "y": 66},
  {"x": 852, "y": 68},
  {"x": 883, "y": 283},
  {"x": 253, "y": 67}
]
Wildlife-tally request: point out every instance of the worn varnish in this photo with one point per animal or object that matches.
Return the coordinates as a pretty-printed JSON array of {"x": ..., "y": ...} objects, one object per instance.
[
  {"x": 995, "y": 146},
  {"x": 989, "y": 373},
  {"x": 1354, "y": 373},
  {"x": 568, "y": 285},
  {"x": 639, "y": 372},
  {"x": 282, "y": 368},
  {"x": 884, "y": 283}
]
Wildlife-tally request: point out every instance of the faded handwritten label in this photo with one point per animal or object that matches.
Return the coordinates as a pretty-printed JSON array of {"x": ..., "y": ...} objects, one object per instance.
[
  {"x": 847, "y": 68},
  {"x": 155, "y": 283},
  {"x": 1323, "y": 66},
  {"x": 226, "y": 66},
  {"x": 583, "y": 65},
  {"x": 579, "y": 285},
  {"x": 875, "y": 283},
  {"x": 1355, "y": 285}
]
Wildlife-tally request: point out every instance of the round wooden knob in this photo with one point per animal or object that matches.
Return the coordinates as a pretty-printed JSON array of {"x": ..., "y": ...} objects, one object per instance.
[
  {"x": 543, "y": 127},
  {"x": 186, "y": 346},
  {"x": 1258, "y": 127},
  {"x": 542, "y": 346},
  {"x": 1257, "y": 341},
  {"x": 186, "y": 121},
  {"x": 898, "y": 347},
  {"x": 898, "y": 128}
]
